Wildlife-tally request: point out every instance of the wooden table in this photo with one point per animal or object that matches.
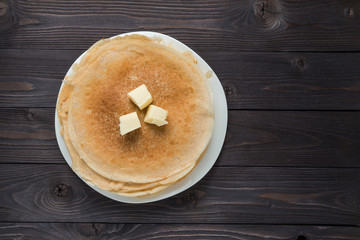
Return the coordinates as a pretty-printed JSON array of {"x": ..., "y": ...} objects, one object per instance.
[{"x": 290, "y": 166}]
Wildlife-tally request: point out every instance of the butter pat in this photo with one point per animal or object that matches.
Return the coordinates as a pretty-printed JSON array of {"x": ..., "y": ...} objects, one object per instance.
[
  {"x": 156, "y": 115},
  {"x": 128, "y": 123},
  {"x": 141, "y": 96}
]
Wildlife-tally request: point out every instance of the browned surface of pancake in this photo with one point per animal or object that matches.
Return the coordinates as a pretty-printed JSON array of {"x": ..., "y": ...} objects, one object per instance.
[{"x": 95, "y": 96}]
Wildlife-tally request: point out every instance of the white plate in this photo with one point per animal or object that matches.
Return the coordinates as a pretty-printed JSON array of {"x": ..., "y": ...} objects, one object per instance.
[{"x": 215, "y": 145}]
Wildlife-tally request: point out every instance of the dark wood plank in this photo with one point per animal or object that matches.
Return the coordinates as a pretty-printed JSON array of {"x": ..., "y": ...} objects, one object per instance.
[
  {"x": 287, "y": 138},
  {"x": 328, "y": 196},
  {"x": 52, "y": 231},
  {"x": 28, "y": 135},
  {"x": 205, "y": 25},
  {"x": 326, "y": 81},
  {"x": 254, "y": 138},
  {"x": 33, "y": 78}
]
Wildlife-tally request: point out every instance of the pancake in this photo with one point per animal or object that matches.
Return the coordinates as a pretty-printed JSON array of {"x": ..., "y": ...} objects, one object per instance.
[
  {"x": 121, "y": 188},
  {"x": 94, "y": 96}
]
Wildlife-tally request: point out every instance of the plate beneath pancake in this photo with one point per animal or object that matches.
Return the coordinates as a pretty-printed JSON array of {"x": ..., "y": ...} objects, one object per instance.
[{"x": 215, "y": 145}]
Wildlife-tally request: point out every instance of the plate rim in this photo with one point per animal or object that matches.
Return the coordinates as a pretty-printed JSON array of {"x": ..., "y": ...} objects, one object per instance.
[{"x": 214, "y": 147}]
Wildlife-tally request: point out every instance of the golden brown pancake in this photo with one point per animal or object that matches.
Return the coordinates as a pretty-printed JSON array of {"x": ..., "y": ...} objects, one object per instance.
[
  {"x": 121, "y": 188},
  {"x": 94, "y": 96}
]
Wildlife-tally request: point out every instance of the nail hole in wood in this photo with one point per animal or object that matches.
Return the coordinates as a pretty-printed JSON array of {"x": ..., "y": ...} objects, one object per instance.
[
  {"x": 61, "y": 190},
  {"x": 301, "y": 237}
]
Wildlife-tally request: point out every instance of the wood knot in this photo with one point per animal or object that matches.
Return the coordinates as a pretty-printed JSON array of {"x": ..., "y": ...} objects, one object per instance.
[
  {"x": 4, "y": 8},
  {"x": 349, "y": 12},
  {"x": 7, "y": 18},
  {"x": 96, "y": 231},
  {"x": 228, "y": 90},
  {"x": 268, "y": 14},
  {"x": 300, "y": 64},
  {"x": 301, "y": 237},
  {"x": 29, "y": 115},
  {"x": 259, "y": 9},
  {"x": 191, "y": 197},
  {"x": 61, "y": 190}
]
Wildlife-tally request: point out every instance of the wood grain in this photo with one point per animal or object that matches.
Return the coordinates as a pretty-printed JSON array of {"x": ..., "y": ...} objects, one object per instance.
[
  {"x": 278, "y": 166},
  {"x": 229, "y": 25},
  {"x": 254, "y": 138},
  {"x": 301, "y": 81},
  {"x": 7, "y": 16},
  {"x": 48, "y": 193},
  {"x": 68, "y": 231}
]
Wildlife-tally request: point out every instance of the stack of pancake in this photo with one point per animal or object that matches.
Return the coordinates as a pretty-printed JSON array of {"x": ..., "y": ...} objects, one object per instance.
[{"x": 94, "y": 96}]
